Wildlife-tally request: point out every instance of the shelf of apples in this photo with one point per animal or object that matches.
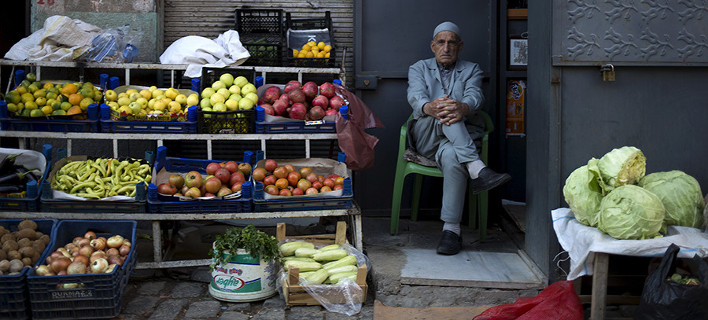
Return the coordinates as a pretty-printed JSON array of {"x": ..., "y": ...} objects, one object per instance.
[
  {"x": 221, "y": 180},
  {"x": 149, "y": 103},
  {"x": 287, "y": 180},
  {"x": 301, "y": 101},
  {"x": 228, "y": 94}
]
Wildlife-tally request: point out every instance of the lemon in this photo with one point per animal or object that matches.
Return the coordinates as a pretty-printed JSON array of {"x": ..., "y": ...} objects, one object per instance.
[
  {"x": 152, "y": 88},
  {"x": 321, "y": 45},
  {"x": 36, "y": 113},
  {"x": 41, "y": 102},
  {"x": 47, "y": 110},
  {"x": 309, "y": 54},
  {"x": 31, "y": 105},
  {"x": 65, "y": 105},
  {"x": 295, "y": 52},
  {"x": 27, "y": 97},
  {"x": 327, "y": 55},
  {"x": 312, "y": 43},
  {"x": 11, "y": 107},
  {"x": 327, "y": 48},
  {"x": 306, "y": 47},
  {"x": 321, "y": 54}
]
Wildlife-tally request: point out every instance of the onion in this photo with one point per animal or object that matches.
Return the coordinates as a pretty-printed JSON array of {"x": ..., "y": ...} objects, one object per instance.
[
  {"x": 43, "y": 270},
  {"x": 86, "y": 251},
  {"x": 60, "y": 264},
  {"x": 64, "y": 252},
  {"x": 84, "y": 242},
  {"x": 90, "y": 235},
  {"x": 61, "y": 273},
  {"x": 124, "y": 250},
  {"x": 116, "y": 259},
  {"x": 82, "y": 259},
  {"x": 110, "y": 268},
  {"x": 97, "y": 255},
  {"x": 126, "y": 242},
  {"x": 99, "y": 265},
  {"x": 76, "y": 241},
  {"x": 98, "y": 244},
  {"x": 70, "y": 246},
  {"x": 114, "y": 241},
  {"x": 112, "y": 252},
  {"x": 76, "y": 267}
]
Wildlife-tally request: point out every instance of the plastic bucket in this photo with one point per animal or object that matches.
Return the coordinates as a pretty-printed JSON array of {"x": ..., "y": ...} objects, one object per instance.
[{"x": 243, "y": 279}]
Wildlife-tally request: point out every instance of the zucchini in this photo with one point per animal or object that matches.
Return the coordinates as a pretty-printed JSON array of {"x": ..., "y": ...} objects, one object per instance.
[
  {"x": 288, "y": 248},
  {"x": 317, "y": 277},
  {"x": 294, "y": 258},
  {"x": 351, "y": 277},
  {"x": 348, "y": 260},
  {"x": 305, "y": 252},
  {"x": 335, "y": 277},
  {"x": 347, "y": 268},
  {"x": 302, "y": 265},
  {"x": 330, "y": 255},
  {"x": 330, "y": 247}
]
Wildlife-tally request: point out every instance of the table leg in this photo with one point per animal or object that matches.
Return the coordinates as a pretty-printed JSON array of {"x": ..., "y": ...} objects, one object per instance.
[
  {"x": 357, "y": 233},
  {"x": 156, "y": 241},
  {"x": 599, "y": 286}
]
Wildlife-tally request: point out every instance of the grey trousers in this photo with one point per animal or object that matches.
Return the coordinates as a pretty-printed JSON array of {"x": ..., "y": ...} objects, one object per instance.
[{"x": 451, "y": 146}]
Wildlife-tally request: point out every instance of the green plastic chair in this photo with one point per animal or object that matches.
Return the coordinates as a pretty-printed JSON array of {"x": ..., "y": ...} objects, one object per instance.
[{"x": 477, "y": 203}]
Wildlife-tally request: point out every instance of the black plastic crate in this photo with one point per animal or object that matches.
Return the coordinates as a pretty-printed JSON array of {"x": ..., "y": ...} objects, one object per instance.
[
  {"x": 211, "y": 75},
  {"x": 14, "y": 300},
  {"x": 229, "y": 122},
  {"x": 97, "y": 295},
  {"x": 307, "y": 24},
  {"x": 259, "y": 21},
  {"x": 261, "y": 33},
  {"x": 31, "y": 200}
]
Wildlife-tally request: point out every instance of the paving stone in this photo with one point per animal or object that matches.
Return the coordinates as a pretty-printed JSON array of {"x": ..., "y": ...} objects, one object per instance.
[
  {"x": 367, "y": 312},
  {"x": 270, "y": 314},
  {"x": 340, "y": 316},
  {"x": 141, "y": 304},
  {"x": 245, "y": 306},
  {"x": 275, "y": 302},
  {"x": 151, "y": 287},
  {"x": 233, "y": 315},
  {"x": 168, "y": 309},
  {"x": 203, "y": 309},
  {"x": 201, "y": 275},
  {"x": 187, "y": 290},
  {"x": 305, "y": 313}
]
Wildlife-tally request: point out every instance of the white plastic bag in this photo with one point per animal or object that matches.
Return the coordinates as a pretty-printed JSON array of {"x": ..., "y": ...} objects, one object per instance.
[
  {"x": 61, "y": 39},
  {"x": 197, "y": 52}
]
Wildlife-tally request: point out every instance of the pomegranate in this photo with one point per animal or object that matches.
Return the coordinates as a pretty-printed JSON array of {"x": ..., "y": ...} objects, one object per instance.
[
  {"x": 212, "y": 185},
  {"x": 311, "y": 191},
  {"x": 280, "y": 172},
  {"x": 317, "y": 113},
  {"x": 232, "y": 166},
  {"x": 298, "y": 111},
  {"x": 212, "y": 167},
  {"x": 223, "y": 174},
  {"x": 280, "y": 107},
  {"x": 297, "y": 95},
  {"x": 320, "y": 101},
  {"x": 285, "y": 98},
  {"x": 259, "y": 174},
  {"x": 270, "y": 165},
  {"x": 285, "y": 192},
  {"x": 310, "y": 89},
  {"x": 330, "y": 112},
  {"x": 271, "y": 94},
  {"x": 336, "y": 102},
  {"x": 237, "y": 176},
  {"x": 292, "y": 84},
  {"x": 269, "y": 180},
  {"x": 298, "y": 192},
  {"x": 268, "y": 109},
  {"x": 327, "y": 89},
  {"x": 293, "y": 178},
  {"x": 166, "y": 188}
]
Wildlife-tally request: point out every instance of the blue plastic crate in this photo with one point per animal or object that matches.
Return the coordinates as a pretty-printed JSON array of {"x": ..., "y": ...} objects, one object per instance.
[
  {"x": 14, "y": 300},
  {"x": 108, "y": 125},
  {"x": 98, "y": 295},
  {"x": 31, "y": 201},
  {"x": 158, "y": 203},
  {"x": 303, "y": 203},
  {"x": 52, "y": 125}
]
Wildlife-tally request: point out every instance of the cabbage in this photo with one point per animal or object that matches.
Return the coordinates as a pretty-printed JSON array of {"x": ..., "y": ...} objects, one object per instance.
[
  {"x": 583, "y": 194},
  {"x": 631, "y": 212},
  {"x": 681, "y": 195},
  {"x": 621, "y": 166}
]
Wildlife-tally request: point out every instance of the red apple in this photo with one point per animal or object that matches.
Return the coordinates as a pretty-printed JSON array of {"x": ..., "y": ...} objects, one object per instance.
[
  {"x": 270, "y": 165},
  {"x": 328, "y": 182},
  {"x": 293, "y": 178},
  {"x": 193, "y": 179},
  {"x": 166, "y": 188},
  {"x": 223, "y": 174},
  {"x": 237, "y": 177},
  {"x": 224, "y": 191},
  {"x": 236, "y": 187},
  {"x": 280, "y": 172},
  {"x": 297, "y": 192},
  {"x": 212, "y": 185},
  {"x": 212, "y": 167},
  {"x": 312, "y": 177},
  {"x": 269, "y": 180},
  {"x": 232, "y": 166},
  {"x": 245, "y": 168}
]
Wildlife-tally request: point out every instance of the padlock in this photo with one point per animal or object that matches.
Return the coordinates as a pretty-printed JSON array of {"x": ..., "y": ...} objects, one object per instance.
[{"x": 608, "y": 72}]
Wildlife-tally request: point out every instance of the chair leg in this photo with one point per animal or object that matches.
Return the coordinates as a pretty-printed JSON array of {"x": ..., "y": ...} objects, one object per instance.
[
  {"x": 396, "y": 199},
  {"x": 483, "y": 212},
  {"x": 415, "y": 203},
  {"x": 472, "y": 208}
]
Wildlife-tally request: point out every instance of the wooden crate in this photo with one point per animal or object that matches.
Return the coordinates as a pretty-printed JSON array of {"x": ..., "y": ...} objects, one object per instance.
[{"x": 295, "y": 294}]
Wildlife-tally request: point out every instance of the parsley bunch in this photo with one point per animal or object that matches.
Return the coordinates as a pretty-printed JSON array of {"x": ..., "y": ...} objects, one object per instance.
[{"x": 256, "y": 242}]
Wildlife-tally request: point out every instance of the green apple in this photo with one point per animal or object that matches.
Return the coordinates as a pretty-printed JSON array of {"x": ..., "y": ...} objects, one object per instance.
[
  {"x": 181, "y": 99},
  {"x": 135, "y": 107},
  {"x": 193, "y": 99},
  {"x": 235, "y": 89},
  {"x": 218, "y": 85},
  {"x": 240, "y": 81},
  {"x": 216, "y": 98},
  {"x": 219, "y": 107},
  {"x": 227, "y": 79},
  {"x": 235, "y": 96},
  {"x": 205, "y": 103},
  {"x": 224, "y": 92},
  {"x": 207, "y": 92},
  {"x": 252, "y": 96},
  {"x": 249, "y": 87},
  {"x": 231, "y": 105},
  {"x": 245, "y": 104}
]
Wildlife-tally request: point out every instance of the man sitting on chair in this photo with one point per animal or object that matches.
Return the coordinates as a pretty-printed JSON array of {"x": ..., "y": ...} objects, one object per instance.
[{"x": 445, "y": 93}]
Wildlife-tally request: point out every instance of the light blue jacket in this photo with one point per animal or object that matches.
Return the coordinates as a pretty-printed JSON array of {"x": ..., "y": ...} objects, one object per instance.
[{"x": 424, "y": 85}]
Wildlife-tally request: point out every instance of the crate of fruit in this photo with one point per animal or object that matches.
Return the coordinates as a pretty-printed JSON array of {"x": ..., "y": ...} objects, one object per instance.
[
  {"x": 200, "y": 186},
  {"x": 57, "y": 105},
  {"x": 90, "y": 283},
  {"x": 21, "y": 173},
  {"x": 302, "y": 184},
  {"x": 261, "y": 33},
  {"x": 228, "y": 102},
  {"x": 333, "y": 270},
  {"x": 27, "y": 249},
  {"x": 83, "y": 184},
  {"x": 189, "y": 125},
  {"x": 298, "y": 108},
  {"x": 310, "y": 42}
]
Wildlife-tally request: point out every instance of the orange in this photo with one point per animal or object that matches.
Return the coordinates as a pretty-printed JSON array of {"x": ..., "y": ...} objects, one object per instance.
[
  {"x": 74, "y": 110},
  {"x": 75, "y": 99},
  {"x": 69, "y": 89}
]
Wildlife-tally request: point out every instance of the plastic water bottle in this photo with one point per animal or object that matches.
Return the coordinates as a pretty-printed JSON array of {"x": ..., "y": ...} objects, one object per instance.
[{"x": 130, "y": 52}]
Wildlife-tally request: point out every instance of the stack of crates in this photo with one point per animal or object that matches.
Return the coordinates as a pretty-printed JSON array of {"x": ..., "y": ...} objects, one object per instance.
[
  {"x": 261, "y": 33},
  {"x": 310, "y": 24}
]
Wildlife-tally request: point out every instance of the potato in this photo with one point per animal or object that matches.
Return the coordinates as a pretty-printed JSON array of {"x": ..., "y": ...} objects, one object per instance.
[
  {"x": 45, "y": 238},
  {"x": 24, "y": 242},
  {"x": 14, "y": 255},
  {"x": 38, "y": 246},
  {"x": 27, "y": 224},
  {"x": 16, "y": 265},
  {"x": 27, "y": 252},
  {"x": 27, "y": 233},
  {"x": 27, "y": 261},
  {"x": 3, "y": 231},
  {"x": 7, "y": 237},
  {"x": 4, "y": 265},
  {"x": 3, "y": 255},
  {"x": 10, "y": 245},
  {"x": 36, "y": 257}
]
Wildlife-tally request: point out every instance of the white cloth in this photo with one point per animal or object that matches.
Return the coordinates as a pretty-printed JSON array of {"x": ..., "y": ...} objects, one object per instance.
[
  {"x": 197, "y": 52},
  {"x": 60, "y": 39},
  {"x": 582, "y": 242}
]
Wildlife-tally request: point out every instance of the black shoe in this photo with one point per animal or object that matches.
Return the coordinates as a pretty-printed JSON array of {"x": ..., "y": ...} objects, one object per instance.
[
  {"x": 450, "y": 243},
  {"x": 487, "y": 180}
]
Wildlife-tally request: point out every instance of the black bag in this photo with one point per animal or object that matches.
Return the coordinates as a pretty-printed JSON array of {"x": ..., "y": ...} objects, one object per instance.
[{"x": 663, "y": 299}]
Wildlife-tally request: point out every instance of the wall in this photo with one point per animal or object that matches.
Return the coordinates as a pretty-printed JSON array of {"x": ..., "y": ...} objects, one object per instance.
[{"x": 140, "y": 14}]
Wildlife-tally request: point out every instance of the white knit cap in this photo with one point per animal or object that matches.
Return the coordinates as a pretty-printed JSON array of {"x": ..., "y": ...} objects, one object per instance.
[{"x": 447, "y": 26}]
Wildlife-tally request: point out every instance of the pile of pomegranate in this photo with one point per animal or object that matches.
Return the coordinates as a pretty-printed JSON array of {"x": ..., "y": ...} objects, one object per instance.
[
  {"x": 87, "y": 254},
  {"x": 301, "y": 101}
]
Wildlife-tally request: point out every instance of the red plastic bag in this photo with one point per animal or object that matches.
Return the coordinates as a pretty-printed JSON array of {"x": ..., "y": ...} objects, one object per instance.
[
  {"x": 557, "y": 301},
  {"x": 353, "y": 140}
]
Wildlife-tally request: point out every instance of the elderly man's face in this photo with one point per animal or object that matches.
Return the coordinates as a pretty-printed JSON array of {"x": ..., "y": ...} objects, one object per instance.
[{"x": 446, "y": 46}]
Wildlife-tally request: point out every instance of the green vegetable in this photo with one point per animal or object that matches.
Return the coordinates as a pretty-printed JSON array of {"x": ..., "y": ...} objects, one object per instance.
[
  {"x": 317, "y": 277},
  {"x": 348, "y": 268},
  {"x": 288, "y": 248},
  {"x": 256, "y": 242},
  {"x": 348, "y": 260},
  {"x": 631, "y": 212},
  {"x": 334, "y": 278},
  {"x": 681, "y": 195},
  {"x": 330, "y": 247},
  {"x": 305, "y": 252},
  {"x": 583, "y": 194},
  {"x": 299, "y": 259},
  {"x": 302, "y": 265},
  {"x": 329, "y": 255},
  {"x": 621, "y": 166}
]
